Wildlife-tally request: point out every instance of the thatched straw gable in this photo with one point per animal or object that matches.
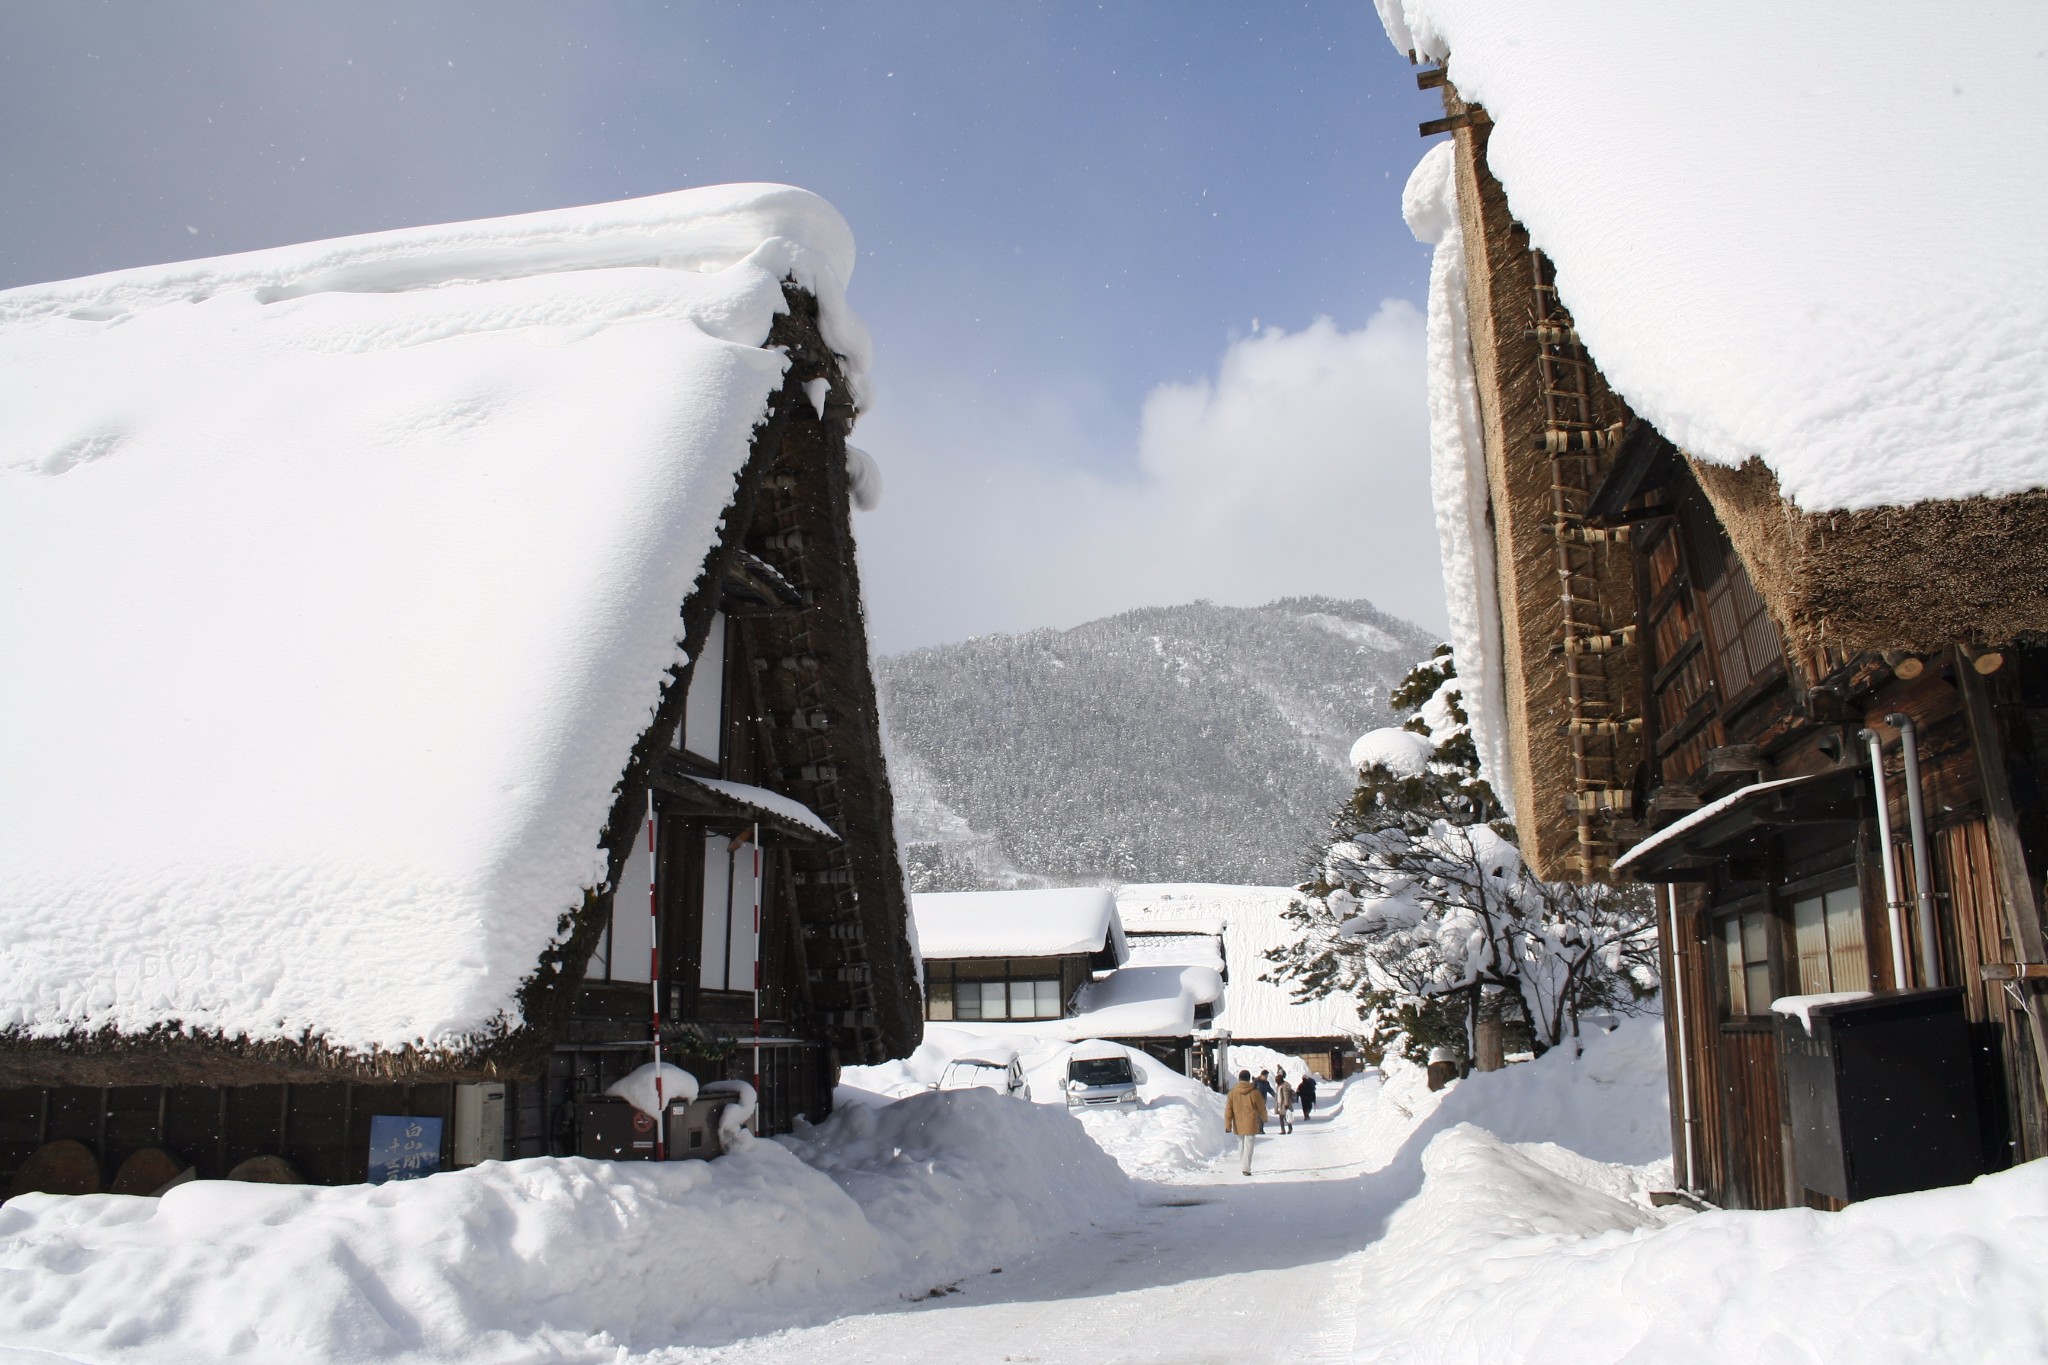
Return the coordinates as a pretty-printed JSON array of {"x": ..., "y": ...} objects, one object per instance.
[
  {"x": 1500, "y": 310},
  {"x": 1759, "y": 295},
  {"x": 1917, "y": 578},
  {"x": 354, "y": 568}
]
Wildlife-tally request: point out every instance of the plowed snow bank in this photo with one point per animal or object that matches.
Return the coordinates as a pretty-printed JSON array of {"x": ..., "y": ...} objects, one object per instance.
[
  {"x": 551, "y": 1258},
  {"x": 1531, "y": 1238}
]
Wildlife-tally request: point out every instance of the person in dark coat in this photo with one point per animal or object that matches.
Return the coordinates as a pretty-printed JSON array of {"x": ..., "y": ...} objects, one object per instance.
[{"x": 1306, "y": 1093}]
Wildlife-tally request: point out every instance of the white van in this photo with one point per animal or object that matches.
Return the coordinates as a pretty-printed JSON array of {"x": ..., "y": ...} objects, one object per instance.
[{"x": 1099, "y": 1074}]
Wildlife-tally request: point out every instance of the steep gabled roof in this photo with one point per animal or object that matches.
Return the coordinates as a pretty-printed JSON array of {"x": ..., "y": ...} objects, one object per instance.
[{"x": 341, "y": 581}]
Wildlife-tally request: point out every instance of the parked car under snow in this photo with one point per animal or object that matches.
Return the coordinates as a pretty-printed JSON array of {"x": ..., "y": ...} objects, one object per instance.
[{"x": 997, "y": 1069}]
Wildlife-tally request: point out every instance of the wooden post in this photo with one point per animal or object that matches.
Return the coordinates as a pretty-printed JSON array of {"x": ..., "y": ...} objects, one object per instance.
[
  {"x": 758, "y": 869},
  {"x": 1490, "y": 1042},
  {"x": 2008, "y": 858},
  {"x": 654, "y": 976}
]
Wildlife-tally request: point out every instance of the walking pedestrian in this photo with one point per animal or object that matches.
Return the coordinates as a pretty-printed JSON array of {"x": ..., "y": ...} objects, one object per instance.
[
  {"x": 1264, "y": 1085},
  {"x": 1244, "y": 1115},
  {"x": 1307, "y": 1092},
  {"x": 1283, "y": 1101}
]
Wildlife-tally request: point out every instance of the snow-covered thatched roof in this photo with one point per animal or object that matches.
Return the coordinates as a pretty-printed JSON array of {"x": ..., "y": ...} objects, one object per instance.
[
  {"x": 1152, "y": 948},
  {"x": 1808, "y": 233},
  {"x": 340, "y": 581},
  {"x": 1252, "y": 1007},
  {"x": 1053, "y": 923}
]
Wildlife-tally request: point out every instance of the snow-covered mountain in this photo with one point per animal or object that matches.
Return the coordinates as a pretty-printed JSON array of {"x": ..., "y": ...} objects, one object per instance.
[{"x": 1188, "y": 743}]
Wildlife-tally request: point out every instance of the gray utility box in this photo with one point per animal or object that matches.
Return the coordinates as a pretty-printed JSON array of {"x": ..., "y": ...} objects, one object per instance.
[
  {"x": 610, "y": 1129},
  {"x": 693, "y": 1128},
  {"x": 1881, "y": 1096}
]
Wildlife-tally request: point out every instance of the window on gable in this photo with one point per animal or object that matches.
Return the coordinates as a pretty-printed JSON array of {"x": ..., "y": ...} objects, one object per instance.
[
  {"x": 702, "y": 732},
  {"x": 1746, "y": 643}
]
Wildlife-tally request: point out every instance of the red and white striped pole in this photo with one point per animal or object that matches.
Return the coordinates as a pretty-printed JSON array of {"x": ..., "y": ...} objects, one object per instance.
[
  {"x": 654, "y": 977},
  {"x": 757, "y": 973}
]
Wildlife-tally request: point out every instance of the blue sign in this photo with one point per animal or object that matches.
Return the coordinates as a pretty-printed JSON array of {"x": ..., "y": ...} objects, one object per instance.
[{"x": 403, "y": 1148}]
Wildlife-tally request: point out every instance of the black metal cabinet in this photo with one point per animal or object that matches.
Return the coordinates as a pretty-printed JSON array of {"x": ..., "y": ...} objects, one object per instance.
[
  {"x": 1881, "y": 1095},
  {"x": 612, "y": 1130}
]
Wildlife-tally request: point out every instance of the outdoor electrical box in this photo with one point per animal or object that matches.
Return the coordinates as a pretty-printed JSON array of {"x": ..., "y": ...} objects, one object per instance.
[
  {"x": 610, "y": 1129},
  {"x": 1880, "y": 1095},
  {"x": 479, "y": 1123},
  {"x": 693, "y": 1128}
]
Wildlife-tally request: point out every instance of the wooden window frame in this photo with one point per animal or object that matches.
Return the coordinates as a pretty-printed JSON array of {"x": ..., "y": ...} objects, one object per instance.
[{"x": 1011, "y": 972}]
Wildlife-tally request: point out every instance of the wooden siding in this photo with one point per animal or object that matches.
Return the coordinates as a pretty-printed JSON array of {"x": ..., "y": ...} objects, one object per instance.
[
  {"x": 1975, "y": 934},
  {"x": 1753, "y": 1175}
]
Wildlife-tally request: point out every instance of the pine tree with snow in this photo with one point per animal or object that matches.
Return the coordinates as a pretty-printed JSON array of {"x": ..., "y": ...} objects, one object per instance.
[{"x": 1422, "y": 907}]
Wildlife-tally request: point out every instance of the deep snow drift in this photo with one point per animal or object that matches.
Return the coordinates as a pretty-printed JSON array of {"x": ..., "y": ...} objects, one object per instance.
[
  {"x": 563, "y": 1259},
  {"x": 1177, "y": 1128},
  {"x": 1505, "y": 1218},
  {"x": 1531, "y": 1239}
]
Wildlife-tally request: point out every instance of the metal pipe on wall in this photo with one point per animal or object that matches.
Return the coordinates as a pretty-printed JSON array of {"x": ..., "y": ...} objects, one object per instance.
[
  {"x": 1895, "y": 907},
  {"x": 1923, "y": 867}
]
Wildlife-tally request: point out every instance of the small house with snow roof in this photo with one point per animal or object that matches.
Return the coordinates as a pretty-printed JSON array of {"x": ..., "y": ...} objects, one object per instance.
[
  {"x": 1197, "y": 924},
  {"x": 997, "y": 956},
  {"x": 1058, "y": 964},
  {"x": 1743, "y": 493},
  {"x": 436, "y": 678}
]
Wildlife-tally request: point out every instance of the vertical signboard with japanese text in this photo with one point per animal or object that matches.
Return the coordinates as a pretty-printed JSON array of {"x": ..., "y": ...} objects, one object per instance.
[{"x": 403, "y": 1147}]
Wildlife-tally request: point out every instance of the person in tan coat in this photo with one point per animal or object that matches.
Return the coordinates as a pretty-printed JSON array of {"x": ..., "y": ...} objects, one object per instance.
[{"x": 1244, "y": 1113}]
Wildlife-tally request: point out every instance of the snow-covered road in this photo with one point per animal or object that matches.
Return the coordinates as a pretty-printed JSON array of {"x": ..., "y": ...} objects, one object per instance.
[{"x": 1215, "y": 1267}]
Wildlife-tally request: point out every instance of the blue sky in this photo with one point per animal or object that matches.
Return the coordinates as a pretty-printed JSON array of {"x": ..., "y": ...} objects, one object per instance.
[{"x": 1071, "y": 219}]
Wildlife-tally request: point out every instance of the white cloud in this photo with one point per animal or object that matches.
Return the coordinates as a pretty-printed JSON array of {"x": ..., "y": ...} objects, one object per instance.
[{"x": 1301, "y": 467}]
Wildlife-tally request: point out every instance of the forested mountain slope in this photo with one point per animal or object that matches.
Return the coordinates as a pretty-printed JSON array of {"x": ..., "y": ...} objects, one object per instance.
[{"x": 1188, "y": 743}]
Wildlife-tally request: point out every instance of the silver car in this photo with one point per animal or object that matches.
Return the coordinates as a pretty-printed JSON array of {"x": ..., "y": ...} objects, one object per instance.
[{"x": 1101, "y": 1079}]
